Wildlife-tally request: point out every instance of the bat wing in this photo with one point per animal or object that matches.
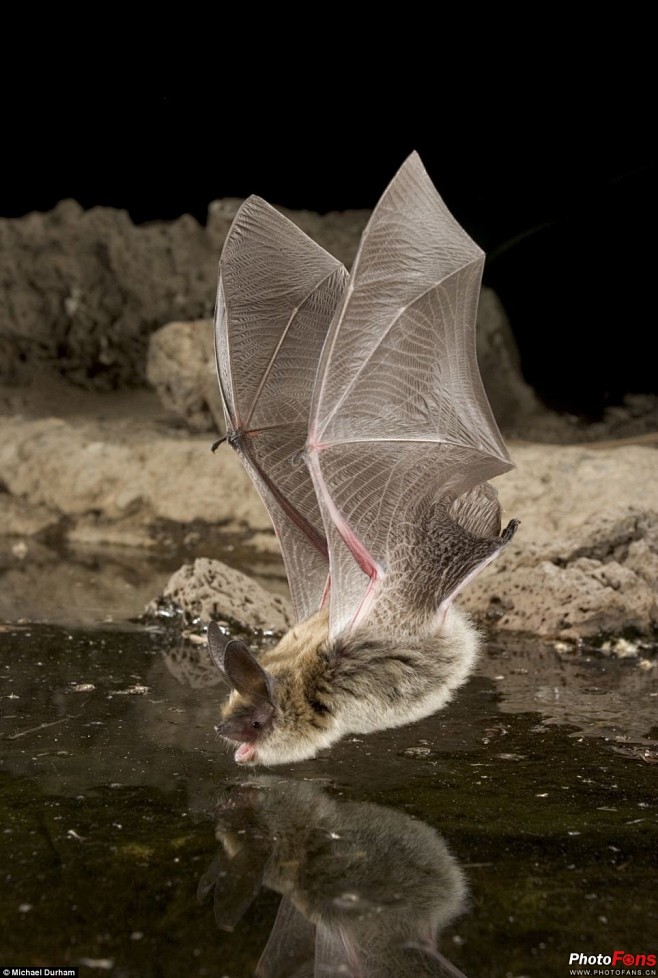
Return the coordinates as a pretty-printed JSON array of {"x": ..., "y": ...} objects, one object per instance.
[
  {"x": 335, "y": 953},
  {"x": 399, "y": 411},
  {"x": 289, "y": 952},
  {"x": 236, "y": 882},
  {"x": 277, "y": 294}
]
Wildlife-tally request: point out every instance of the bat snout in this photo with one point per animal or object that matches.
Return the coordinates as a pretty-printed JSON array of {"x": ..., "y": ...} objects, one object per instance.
[{"x": 240, "y": 731}]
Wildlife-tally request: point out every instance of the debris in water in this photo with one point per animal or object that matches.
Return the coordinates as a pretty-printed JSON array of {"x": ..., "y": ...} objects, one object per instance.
[{"x": 621, "y": 647}]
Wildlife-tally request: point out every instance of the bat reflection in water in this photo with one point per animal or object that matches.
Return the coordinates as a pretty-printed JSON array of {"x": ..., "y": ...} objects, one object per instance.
[
  {"x": 356, "y": 405},
  {"x": 365, "y": 889}
]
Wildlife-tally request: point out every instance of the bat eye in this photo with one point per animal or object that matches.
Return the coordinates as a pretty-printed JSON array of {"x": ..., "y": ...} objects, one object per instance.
[{"x": 256, "y": 724}]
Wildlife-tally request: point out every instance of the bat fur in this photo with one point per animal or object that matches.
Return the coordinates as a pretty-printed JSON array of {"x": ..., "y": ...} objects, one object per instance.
[{"x": 402, "y": 665}]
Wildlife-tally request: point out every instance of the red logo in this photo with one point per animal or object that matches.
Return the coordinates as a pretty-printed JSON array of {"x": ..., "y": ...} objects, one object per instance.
[{"x": 633, "y": 960}]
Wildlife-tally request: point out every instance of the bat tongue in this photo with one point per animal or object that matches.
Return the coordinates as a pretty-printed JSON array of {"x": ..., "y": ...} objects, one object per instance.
[{"x": 245, "y": 754}]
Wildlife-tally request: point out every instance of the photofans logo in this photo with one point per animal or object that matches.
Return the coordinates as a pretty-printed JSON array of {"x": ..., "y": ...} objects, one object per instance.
[{"x": 621, "y": 963}]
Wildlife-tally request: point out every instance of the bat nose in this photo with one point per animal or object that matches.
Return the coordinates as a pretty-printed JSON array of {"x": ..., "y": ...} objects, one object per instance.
[
  {"x": 222, "y": 730},
  {"x": 234, "y": 730}
]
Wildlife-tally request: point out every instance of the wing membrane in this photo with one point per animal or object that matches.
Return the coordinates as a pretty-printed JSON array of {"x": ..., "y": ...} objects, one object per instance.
[
  {"x": 277, "y": 294},
  {"x": 399, "y": 412}
]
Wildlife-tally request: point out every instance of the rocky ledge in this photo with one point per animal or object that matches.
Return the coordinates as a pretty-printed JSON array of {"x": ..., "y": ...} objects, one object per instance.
[
  {"x": 584, "y": 563},
  {"x": 117, "y": 305}
]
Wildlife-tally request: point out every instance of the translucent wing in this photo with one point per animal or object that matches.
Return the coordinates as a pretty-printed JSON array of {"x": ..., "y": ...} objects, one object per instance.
[
  {"x": 236, "y": 881},
  {"x": 399, "y": 412},
  {"x": 289, "y": 952},
  {"x": 277, "y": 294}
]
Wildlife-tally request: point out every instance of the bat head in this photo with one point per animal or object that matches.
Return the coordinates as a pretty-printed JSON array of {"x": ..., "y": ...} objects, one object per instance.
[
  {"x": 275, "y": 712},
  {"x": 248, "y": 716}
]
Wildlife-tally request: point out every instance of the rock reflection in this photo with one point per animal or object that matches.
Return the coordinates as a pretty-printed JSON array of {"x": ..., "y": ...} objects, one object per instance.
[{"x": 365, "y": 889}]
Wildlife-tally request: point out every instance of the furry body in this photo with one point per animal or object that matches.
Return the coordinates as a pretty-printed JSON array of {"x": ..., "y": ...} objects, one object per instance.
[
  {"x": 321, "y": 692},
  {"x": 401, "y": 665}
]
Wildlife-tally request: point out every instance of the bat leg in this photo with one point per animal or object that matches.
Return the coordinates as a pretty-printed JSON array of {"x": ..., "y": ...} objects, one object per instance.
[
  {"x": 366, "y": 602},
  {"x": 354, "y": 544},
  {"x": 445, "y": 556},
  {"x": 368, "y": 565},
  {"x": 361, "y": 554},
  {"x": 509, "y": 531},
  {"x": 470, "y": 556}
]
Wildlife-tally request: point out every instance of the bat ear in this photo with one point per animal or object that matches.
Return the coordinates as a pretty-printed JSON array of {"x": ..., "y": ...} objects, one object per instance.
[
  {"x": 217, "y": 644},
  {"x": 239, "y": 666},
  {"x": 246, "y": 674}
]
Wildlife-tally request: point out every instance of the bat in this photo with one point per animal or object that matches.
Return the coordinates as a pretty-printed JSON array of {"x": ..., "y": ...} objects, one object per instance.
[
  {"x": 356, "y": 405},
  {"x": 333, "y": 862}
]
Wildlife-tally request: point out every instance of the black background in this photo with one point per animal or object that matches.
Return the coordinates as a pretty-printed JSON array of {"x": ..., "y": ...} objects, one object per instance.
[{"x": 556, "y": 183}]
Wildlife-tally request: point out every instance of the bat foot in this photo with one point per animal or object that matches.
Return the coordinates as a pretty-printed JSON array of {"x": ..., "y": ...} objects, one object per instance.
[{"x": 509, "y": 530}]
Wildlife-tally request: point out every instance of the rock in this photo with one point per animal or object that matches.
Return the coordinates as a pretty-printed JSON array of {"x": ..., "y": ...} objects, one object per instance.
[
  {"x": 512, "y": 399},
  {"x": 596, "y": 582},
  {"x": 584, "y": 561},
  {"x": 181, "y": 366},
  {"x": 19, "y": 518},
  {"x": 210, "y": 589},
  {"x": 118, "y": 472},
  {"x": 557, "y": 488},
  {"x": 105, "y": 284}
]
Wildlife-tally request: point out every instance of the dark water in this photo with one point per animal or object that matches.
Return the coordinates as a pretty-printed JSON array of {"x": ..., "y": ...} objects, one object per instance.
[{"x": 516, "y": 828}]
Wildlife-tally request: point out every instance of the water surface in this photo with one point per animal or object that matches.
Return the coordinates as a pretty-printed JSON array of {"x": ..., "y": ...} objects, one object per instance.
[{"x": 497, "y": 837}]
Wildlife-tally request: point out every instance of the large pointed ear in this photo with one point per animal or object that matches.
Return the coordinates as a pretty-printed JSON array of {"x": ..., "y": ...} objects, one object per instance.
[
  {"x": 217, "y": 643},
  {"x": 246, "y": 674}
]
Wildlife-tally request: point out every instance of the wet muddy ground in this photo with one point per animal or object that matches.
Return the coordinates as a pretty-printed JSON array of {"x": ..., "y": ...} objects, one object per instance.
[{"x": 511, "y": 830}]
